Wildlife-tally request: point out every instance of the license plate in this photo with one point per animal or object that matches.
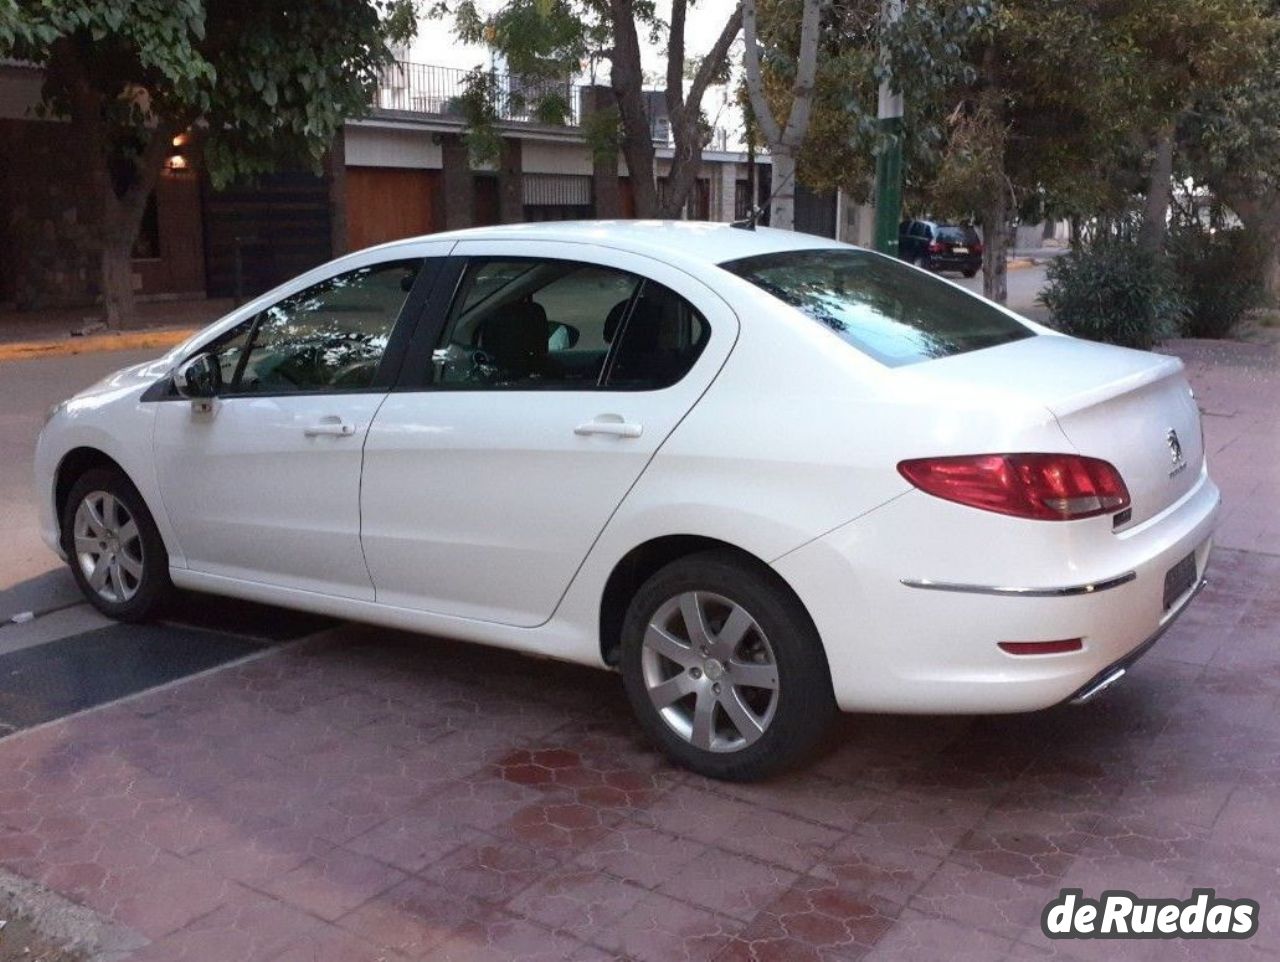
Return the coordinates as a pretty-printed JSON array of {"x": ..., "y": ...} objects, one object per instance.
[
  {"x": 959, "y": 250},
  {"x": 1179, "y": 579}
]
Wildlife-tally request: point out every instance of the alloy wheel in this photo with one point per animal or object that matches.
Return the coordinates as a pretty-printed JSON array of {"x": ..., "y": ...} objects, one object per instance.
[
  {"x": 710, "y": 671},
  {"x": 108, "y": 547}
]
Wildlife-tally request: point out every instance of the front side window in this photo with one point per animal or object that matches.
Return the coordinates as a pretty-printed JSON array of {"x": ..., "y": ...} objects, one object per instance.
[
  {"x": 880, "y": 306},
  {"x": 329, "y": 337}
]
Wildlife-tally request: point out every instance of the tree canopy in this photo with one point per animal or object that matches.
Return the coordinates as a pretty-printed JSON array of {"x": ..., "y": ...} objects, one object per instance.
[{"x": 261, "y": 84}]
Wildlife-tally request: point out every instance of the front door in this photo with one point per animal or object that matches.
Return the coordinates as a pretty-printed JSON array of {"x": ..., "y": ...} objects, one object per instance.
[
  {"x": 263, "y": 485},
  {"x": 553, "y": 382}
]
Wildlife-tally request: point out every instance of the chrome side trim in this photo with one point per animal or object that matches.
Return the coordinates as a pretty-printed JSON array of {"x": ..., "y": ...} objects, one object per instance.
[{"x": 1067, "y": 592}]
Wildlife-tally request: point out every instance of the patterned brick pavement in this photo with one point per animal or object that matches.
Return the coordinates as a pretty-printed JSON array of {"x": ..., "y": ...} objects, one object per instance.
[{"x": 368, "y": 795}]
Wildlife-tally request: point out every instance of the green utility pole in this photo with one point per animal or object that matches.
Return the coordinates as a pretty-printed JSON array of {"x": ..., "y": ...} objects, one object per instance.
[{"x": 889, "y": 159}]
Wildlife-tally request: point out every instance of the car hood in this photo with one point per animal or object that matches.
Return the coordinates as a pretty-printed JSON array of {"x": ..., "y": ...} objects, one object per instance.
[{"x": 135, "y": 377}]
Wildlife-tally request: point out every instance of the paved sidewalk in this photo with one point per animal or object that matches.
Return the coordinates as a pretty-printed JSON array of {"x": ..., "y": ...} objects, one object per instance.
[
  {"x": 370, "y": 795},
  {"x": 158, "y": 325},
  {"x": 1238, "y": 388}
]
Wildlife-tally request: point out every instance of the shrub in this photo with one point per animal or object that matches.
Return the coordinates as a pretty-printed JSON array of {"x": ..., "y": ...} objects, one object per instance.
[
  {"x": 1115, "y": 292},
  {"x": 1221, "y": 272}
]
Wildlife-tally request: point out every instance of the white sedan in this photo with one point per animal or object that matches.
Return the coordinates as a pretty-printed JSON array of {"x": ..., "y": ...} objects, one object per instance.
[{"x": 764, "y": 475}]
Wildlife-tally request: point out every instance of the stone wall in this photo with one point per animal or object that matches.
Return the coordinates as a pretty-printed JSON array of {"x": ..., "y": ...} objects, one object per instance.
[{"x": 42, "y": 218}]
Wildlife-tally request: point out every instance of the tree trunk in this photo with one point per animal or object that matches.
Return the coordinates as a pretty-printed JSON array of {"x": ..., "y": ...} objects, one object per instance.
[
  {"x": 119, "y": 216},
  {"x": 686, "y": 112},
  {"x": 1259, "y": 210},
  {"x": 782, "y": 209},
  {"x": 627, "y": 78},
  {"x": 785, "y": 139},
  {"x": 1155, "y": 218},
  {"x": 995, "y": 246},
  {"x": 118, "y": 301},
  {"x": 1271, "y": 269}
]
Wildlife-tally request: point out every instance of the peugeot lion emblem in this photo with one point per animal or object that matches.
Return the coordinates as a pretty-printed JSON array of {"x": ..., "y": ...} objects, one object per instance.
[{"x": 1175, "y": 452}]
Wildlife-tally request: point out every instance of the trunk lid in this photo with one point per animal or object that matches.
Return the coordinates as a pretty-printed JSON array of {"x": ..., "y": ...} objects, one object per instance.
[{"x": 1131, "y": 408}]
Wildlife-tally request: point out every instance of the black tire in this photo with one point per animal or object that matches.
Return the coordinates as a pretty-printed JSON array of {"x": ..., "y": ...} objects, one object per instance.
[
  {"x": 804, "y": 705},
  {"x": 972, "y": 273},
  {"x": 145, "y": 594},
  {"x": 922, "y": 263}
]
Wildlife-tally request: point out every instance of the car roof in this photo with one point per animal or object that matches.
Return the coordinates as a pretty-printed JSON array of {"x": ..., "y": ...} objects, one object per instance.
[{"x": 685, "y": 240}]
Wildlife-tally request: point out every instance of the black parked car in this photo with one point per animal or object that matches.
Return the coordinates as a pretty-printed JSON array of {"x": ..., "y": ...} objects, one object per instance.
[{"x": 940, "y": 247}]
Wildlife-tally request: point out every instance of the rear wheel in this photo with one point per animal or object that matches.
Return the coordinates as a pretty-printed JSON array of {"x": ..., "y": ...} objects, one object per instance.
[
  {"x": 971, "y": 273},
  {"x": 724, "y": 669},
  {"x": 113, "y": 547}
]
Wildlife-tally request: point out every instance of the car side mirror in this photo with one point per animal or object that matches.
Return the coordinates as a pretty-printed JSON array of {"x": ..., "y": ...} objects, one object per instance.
[{"x": 199, "y": 377}]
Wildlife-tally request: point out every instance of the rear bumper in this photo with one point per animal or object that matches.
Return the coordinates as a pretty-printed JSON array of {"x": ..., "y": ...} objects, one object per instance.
[
  {"x": 894, "y": 647},
  {"x": 1118, "y": 669},
  {"x": 962, "y": 263}
]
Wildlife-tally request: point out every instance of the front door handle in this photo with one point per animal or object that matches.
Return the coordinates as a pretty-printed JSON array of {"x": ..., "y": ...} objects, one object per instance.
[
  {"x": 612, "y": 425},
  {"x": 330, "y": 427}
]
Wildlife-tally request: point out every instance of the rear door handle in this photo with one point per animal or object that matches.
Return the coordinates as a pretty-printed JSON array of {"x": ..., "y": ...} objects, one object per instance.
[
  {"x": 612, "y": 425},
  {"x": 330, "y": 427}
]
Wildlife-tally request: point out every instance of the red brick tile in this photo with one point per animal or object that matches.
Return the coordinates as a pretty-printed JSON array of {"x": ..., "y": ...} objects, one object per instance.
[
  {"x": 333, "y": 884},
  {"x": 490, "y": 869},
  {"x": 415, "y": 917},
  {"x": 728, "y": 883},
  {"x": 641, "y": 855},
  {"x": 661, "y": 929},
  {"x": 579, "y": 901}
]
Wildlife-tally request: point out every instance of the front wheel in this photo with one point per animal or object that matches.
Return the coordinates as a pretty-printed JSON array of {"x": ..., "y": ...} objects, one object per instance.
[
  {"x": 113, "y": 547},
  {"x": 724, "y": 668}
]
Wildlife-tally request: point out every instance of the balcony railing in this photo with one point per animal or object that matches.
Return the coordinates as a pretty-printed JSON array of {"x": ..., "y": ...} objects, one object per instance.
[
  {"x": 421, "y": 88},
  {"x": 439, "y": 91}
]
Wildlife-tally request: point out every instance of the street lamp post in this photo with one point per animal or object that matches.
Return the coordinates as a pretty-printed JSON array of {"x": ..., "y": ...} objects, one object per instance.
[{"x": 889, "y": 156}]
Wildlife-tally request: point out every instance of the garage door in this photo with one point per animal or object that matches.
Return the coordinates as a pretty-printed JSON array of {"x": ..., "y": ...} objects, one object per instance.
[{"x": 388, "y": 203}]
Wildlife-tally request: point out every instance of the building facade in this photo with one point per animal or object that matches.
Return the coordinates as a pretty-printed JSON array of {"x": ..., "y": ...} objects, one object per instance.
[{"x": 401, "y": 171}]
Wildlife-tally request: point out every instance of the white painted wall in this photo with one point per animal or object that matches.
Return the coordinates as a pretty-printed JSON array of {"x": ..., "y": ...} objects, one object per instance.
[
  {"x": 548, "y": 157},
  {"x": 383, "y": 147}
]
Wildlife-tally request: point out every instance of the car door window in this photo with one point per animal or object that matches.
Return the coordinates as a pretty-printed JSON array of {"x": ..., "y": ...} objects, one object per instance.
[
  {"x": 662, "y": 336},
  {"x": 329, "y": 337},
  {"x": 526, "y": 324}
]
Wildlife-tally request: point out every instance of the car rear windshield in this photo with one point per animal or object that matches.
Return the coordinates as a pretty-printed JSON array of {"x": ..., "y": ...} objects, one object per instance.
[
  {"x": 958, "y": 235},
  {"x": 896, "y": 314}
]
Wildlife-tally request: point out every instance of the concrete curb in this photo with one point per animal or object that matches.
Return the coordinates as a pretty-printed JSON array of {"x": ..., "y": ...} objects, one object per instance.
[
  {"x": 94, "y": 343},
  {"x": 73, "y": 927}
]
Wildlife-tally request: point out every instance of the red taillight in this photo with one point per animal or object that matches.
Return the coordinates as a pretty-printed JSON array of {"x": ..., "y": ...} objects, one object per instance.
[
  {"x": 976, "y": 247},
  {"x": 936, "y": 247},
  {"x": 1042, "y": 647},
  {"x": 1045, "y": 487}
]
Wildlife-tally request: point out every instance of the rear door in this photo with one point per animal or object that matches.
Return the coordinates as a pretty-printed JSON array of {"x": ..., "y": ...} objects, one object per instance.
[{"x": 556, "y": 372}]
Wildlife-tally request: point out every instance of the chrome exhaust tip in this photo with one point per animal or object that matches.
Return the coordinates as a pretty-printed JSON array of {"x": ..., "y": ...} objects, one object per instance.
[{"x": 1096, "y": 689}]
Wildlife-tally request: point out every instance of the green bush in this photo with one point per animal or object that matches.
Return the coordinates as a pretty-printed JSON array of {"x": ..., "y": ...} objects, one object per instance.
[
  {"x": 1221, "y": 272},
  {"x": 1115, "y": 292}
]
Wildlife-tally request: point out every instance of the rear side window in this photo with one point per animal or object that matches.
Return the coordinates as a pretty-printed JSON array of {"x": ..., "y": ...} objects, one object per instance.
[
  {"x": 660, "y": 337},
  {"x": 525, "y": 324},
  {"x": 882, "y": 307}
]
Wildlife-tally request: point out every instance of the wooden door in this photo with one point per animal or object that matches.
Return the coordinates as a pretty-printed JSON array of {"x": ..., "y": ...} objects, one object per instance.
[{"x": 388, "y": 203}]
